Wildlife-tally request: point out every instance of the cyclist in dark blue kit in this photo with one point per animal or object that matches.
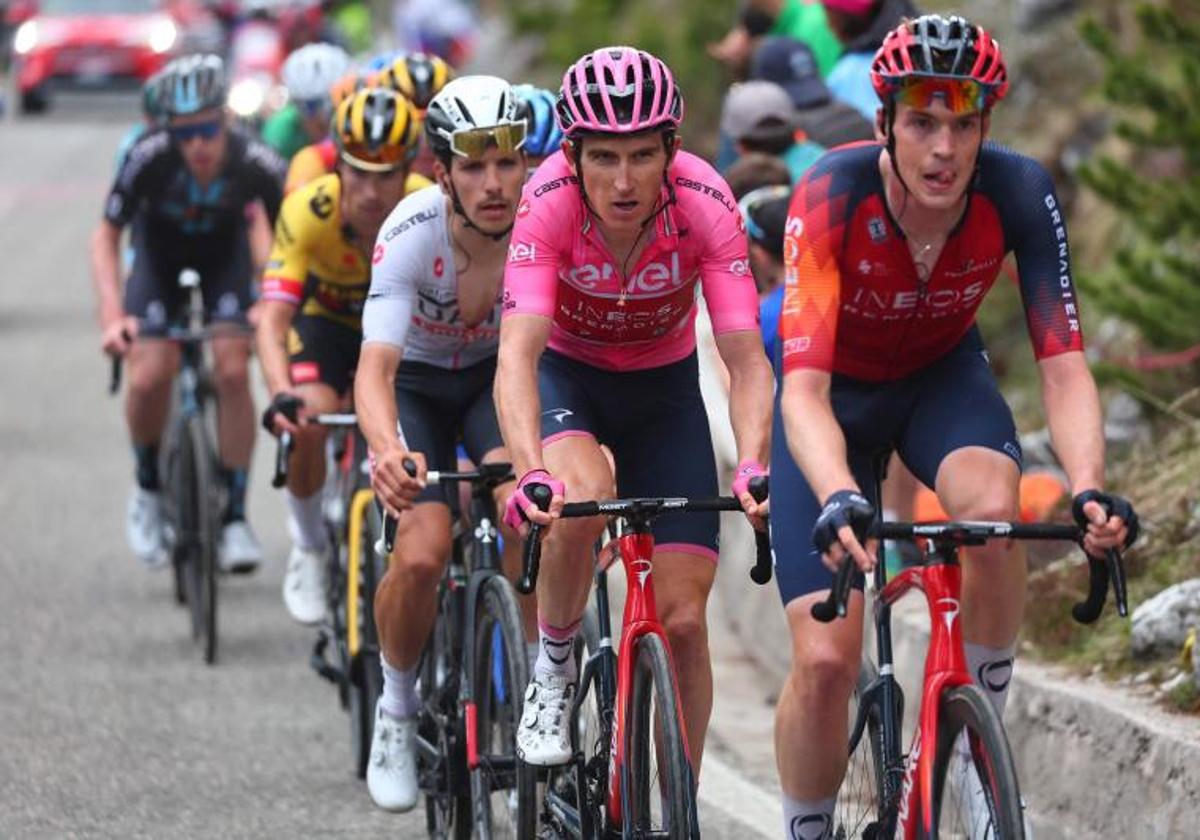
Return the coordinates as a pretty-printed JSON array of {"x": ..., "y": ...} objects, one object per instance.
[{"x": 185, "y": 190}]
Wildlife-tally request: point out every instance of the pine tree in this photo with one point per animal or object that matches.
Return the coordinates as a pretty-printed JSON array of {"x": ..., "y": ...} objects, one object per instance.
[{"x": 1154, "y": 282}]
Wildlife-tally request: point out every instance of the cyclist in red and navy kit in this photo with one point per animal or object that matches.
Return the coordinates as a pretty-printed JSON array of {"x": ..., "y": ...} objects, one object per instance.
[{"x": 890, "y": 248}]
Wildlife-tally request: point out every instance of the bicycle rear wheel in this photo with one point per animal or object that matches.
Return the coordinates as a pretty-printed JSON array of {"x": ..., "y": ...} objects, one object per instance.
[
  {"x": 661, "y": 798},
  {"x": 503, "y": 789},
  {"x": 975, "y": 797}
]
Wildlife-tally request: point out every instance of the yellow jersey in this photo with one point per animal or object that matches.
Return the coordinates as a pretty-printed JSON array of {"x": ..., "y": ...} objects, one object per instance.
[{"x": 315, "y": 263}]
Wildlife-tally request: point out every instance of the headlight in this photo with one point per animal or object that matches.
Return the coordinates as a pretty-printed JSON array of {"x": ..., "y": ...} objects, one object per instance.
[
  {"x": 163, "y": 34},
  {"x": 26, "y": 37},
  {"x": 246, "y": 97}
]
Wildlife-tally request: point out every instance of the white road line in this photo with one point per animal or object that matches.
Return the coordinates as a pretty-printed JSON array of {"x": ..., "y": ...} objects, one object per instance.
[{"x": 724, "y": 788}]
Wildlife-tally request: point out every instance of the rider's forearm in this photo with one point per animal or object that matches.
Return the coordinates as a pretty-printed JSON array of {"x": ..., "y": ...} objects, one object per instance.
[
  {"x": 519, "y": 409},
  {"x": 1075, "y": 420},
  {"x": 106, "y": 271},
  {"x": 751, "y": 391},
  {"x": 375, "y": 395},
  {"x": 271, "y": 343},
  {"x": 814, "y": 438}
]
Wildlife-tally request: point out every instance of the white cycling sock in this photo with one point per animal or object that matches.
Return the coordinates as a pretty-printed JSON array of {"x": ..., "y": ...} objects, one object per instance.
[
  {"x": 310, "y": 523},
  {"x": 992, "y": 669},
  {"x": 808, "y": 820},
  {"x": 532, "y": 649},
  {"x": 399, "y": 699},
  {"x": 556, "y": 650}
]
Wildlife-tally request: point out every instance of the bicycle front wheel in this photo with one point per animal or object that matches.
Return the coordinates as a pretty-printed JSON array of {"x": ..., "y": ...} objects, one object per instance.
[
  {"x": 863, "y": 799},
  {"x": 661, "y": 795},
  {"x": 975, "y": 791},
  {"x": 503, "y": 789},
  {"x": 197, "y": 534}
]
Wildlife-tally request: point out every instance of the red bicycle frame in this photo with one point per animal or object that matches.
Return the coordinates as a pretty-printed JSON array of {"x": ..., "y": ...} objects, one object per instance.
[
  {"x": 639, "y": 619},
  {"x": 945, "y": 668}
]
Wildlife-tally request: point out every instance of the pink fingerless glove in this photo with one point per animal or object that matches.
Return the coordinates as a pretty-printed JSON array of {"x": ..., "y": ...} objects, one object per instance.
[
  {"x": 745, "y": 471},
  {"x": 515, "y": 511}
]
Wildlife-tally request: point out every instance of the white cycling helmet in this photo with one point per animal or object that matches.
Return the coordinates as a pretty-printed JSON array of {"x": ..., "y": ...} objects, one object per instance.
[
  {"x": 472, "y": 112},
  {"x": 310, "y": 71}
]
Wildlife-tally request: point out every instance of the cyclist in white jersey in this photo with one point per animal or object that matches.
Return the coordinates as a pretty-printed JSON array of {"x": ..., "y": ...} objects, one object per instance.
[{"x": 431, "y": 328}]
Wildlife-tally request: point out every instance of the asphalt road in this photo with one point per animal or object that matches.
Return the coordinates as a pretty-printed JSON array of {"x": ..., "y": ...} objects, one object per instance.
[{"x": 110, "y": 725}]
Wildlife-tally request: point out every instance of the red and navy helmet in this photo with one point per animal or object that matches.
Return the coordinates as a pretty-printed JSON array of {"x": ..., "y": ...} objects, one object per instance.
[{"x": 937, "y": 47}]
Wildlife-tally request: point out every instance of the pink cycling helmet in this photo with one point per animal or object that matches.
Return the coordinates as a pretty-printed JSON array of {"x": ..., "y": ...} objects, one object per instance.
[{"x": 618, "y": 90}]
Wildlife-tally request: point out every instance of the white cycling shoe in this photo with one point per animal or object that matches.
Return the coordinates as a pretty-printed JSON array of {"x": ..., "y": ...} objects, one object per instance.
[
  {"x": 239, "y": 551},
  {"x": 144, "y": 527},
  {"x": 544, "y": 736},
  {"x": 304, "y": 585},
  {"x": 392, "y": 766}
]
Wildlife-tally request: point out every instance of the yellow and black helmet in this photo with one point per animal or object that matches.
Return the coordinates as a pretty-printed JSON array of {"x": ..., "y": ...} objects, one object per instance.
[
  {"x": 376, "y": 129},
  {"x": 417, "y": 75}
]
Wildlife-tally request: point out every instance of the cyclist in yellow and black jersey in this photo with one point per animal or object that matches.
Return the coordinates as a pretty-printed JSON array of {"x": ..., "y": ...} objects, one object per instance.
[{"x": 313, "y": 292}]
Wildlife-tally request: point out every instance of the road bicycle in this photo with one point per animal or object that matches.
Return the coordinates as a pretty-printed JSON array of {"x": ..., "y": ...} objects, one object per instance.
[
  {"x": 193, "y": 499},
  {"x": 354, "y": 570},
  {"x": 471, "y": 680},
  {"x": 958, "y": 779},
  {"x": 631, "y": 773}
]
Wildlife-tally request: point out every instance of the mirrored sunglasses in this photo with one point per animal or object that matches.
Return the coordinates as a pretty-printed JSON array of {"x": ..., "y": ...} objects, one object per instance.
[
  {"x": 474, "y": 142},
  {"x": 184, "y": 133},
  {"x": 960, "y": 96}
]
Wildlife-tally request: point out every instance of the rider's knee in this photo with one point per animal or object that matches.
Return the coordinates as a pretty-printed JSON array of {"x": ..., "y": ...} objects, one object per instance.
[
  {"x": 824, "y": 669},
  {"x": 687, "y": 630},
  {"x": 148, "y": 375},
  {"x": 422, "y": 564},
  {"x": 231, "y": 376},
  {"x": 992, "y": 503}
]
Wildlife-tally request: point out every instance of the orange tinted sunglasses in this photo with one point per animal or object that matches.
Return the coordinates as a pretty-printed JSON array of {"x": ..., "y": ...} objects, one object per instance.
[{"x": 960, "y": 96}]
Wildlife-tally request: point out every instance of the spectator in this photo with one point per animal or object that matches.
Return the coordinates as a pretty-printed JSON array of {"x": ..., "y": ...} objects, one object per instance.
[
  {"x": 764, "y": 212},
  {"x": 792, "y": 65},
  {"x": 803, "y": 20},
  {"x": 860, "y": 26},
  {"x": 754, "y": 170},
  {"x": 759, "y": 117}
]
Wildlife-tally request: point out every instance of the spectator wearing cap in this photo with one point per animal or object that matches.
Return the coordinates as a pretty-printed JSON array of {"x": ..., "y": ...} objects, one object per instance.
[
  {"x": 756, "y": 169},
  {"x": 764, "y": 212},
  {"x": 803, "y": 20},
  {"x": 791, "y": 65},
  {"x": 759, "y": 117},
  {"x": 860, "y": 26}
]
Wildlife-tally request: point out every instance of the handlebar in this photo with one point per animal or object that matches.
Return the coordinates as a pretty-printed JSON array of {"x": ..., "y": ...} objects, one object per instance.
[
  {"x": 490, "y": 474},
  {"x": 642, "y": 509},
  {"x": 114, "y": 376},
  {"x": 1102, "y": 571}
]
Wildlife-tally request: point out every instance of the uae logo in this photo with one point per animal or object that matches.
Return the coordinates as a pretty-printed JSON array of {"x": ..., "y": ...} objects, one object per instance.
[{"x": 877, "y": 229}]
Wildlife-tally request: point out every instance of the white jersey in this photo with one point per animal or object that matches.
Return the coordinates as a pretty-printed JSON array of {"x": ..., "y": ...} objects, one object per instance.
[{"x": 413, "y": 301}]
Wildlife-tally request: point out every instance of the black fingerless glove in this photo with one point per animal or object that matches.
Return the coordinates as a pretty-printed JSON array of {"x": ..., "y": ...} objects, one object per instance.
[
  {"x": 1113, "y": 505},
  {"x": 845, "y": 507},
  {"x": 283, "y": 403}
]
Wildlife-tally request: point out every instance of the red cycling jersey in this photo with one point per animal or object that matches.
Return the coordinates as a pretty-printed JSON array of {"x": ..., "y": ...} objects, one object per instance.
[{"x": 854, "y": 303}]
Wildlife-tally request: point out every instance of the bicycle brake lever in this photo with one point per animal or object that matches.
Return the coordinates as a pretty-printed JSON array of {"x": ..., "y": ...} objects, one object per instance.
[
  {"x": 763, "y": 565},
  {"x": 1116, "y": 574},
  {"x": 834, "y": 606},
  {"x": 283, "y": 451}
]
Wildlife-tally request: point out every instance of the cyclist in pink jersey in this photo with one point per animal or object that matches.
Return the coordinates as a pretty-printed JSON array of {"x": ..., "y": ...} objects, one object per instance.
[
  {"x": 889, "y": 250},
  {"x": 614, "y": 236}
]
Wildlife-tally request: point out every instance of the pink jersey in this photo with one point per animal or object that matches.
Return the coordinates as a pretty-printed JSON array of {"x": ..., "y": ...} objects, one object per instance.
[{"x": 560, "y": 267}]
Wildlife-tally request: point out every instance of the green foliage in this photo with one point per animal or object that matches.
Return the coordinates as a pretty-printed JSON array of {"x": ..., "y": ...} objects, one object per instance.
[
  {"x": 674, "y": 30},
  {"x": 1154, "y": 282}
]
